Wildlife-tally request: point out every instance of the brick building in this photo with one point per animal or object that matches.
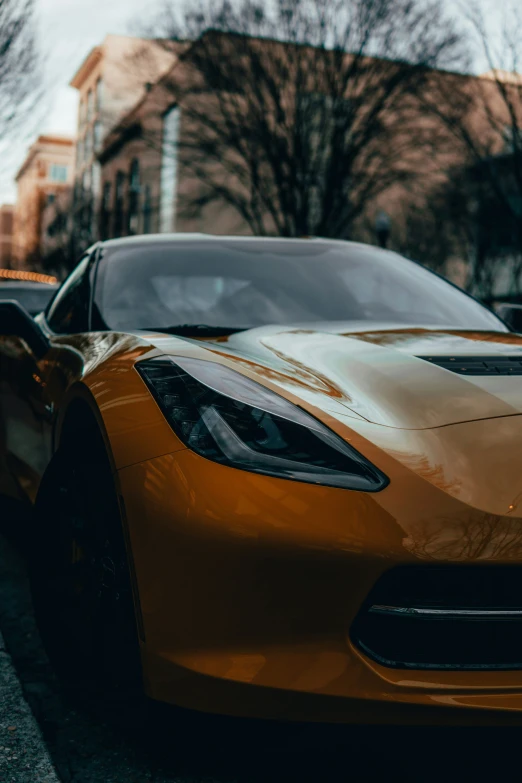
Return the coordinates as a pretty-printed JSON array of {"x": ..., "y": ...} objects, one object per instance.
[
  {"x": 132, "y": 176},
  {"x": 143, "y": 176},
  {"x": 145, "y": 179},
  {"x": 111, "y": 79},
  {"x": 47, "y": 171}
]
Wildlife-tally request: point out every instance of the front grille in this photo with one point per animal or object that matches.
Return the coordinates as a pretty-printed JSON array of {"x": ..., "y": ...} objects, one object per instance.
[
  {"x": 455, "y": 617},
  {"x": 478, "y": 365}
]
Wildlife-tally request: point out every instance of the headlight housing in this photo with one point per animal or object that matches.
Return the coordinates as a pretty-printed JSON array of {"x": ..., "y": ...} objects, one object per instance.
[{"x": 225, "y": 417}]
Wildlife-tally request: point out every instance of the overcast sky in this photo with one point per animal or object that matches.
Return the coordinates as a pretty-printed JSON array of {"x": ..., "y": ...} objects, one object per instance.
[{"x": 69, "y": 29}]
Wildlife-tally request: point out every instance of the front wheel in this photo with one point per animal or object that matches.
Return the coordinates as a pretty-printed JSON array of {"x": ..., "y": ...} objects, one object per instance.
[{"x": 80, "y": 574}]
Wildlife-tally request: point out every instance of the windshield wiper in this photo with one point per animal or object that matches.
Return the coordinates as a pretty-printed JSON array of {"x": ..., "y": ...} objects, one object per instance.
[{"x": 197, "y": 330}]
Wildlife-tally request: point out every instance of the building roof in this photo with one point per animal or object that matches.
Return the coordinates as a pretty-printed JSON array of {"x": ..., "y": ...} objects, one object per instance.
[
  {"x": 96, "y": 54},
  {"x": 52, "y": 138},
  {"x": 88, "y": 64},
  {"x": 498, "y": 75},
  {"x": 35, "y": 148}
]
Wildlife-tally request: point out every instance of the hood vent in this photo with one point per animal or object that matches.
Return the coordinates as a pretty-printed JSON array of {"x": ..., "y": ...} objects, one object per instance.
[{"x": 478, "y": 365}]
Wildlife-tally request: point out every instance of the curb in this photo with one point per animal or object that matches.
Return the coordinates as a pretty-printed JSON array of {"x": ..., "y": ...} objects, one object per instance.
[{"x": 23, "y": 754}]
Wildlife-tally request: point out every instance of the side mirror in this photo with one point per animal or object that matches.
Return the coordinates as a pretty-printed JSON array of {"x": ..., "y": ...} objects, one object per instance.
[{"x": 15, "y": 321}]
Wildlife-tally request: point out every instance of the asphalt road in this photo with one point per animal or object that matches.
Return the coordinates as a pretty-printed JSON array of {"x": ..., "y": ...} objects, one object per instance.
[
  {"x": 23, "y": 753},
  {"x": 93, "y": 741}
]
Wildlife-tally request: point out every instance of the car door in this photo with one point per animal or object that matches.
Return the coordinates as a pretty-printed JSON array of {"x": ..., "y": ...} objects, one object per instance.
[{"x": 27, "y": 403}]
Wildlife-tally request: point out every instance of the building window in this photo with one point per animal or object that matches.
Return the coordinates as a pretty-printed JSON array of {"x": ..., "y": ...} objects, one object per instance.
[
  {"x": 147, "y": 210},
  {"x": 90, "y": 105},
  {"x": 87, "y": 147},
  {"x": 169, "y": 170},
  {"x": 118, "y": 203},
  {"x": 134, "y": 197},
  {"x": 97, "y": 136},
  {"x": 78, "y": 189},
  {"x": 99, "y": 95},
  {"x": 86, "y": 180},
  {"x": 79, "y": 152},
  {"x": 81, "y": 114},
  {"x": 96, "y": 178},
  {"x": 58, "y": 173},
  {"x": 106, "y": 198},
  {"x": 105, "y": 218},
  {"x": 134, "y": 180}
]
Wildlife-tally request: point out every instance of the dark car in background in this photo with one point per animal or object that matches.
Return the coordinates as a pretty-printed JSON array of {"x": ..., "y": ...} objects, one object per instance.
[{"x": 33, "y": 296}]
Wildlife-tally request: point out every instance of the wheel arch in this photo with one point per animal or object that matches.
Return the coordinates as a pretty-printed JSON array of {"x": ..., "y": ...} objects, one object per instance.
[{"x": 80, "y": 423}]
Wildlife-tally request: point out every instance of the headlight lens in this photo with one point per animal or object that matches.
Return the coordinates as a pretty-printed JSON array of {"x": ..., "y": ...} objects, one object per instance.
[{"x": 230, "y": 419}]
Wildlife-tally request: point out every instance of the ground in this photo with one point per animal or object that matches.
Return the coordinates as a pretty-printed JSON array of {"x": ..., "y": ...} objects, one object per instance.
[{"x": 125, "y": 741}]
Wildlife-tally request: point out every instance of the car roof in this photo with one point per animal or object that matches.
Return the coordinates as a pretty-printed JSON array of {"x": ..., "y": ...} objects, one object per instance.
[{"x": 163, "y": 239}]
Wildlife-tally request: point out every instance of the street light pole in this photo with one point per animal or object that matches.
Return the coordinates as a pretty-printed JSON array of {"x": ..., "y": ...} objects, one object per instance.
[{"x": 383, "y": 227}]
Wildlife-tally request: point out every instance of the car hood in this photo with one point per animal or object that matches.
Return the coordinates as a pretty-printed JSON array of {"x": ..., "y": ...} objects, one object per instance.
[{"x": 376, "y": 375}]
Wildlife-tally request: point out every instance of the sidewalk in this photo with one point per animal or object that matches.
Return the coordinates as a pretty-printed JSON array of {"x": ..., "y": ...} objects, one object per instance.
[{"x": 23, "y": 755}]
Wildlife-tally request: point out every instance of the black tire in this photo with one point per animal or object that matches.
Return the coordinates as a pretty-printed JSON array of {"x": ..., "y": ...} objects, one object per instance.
[{"x": 80, "y": 576}]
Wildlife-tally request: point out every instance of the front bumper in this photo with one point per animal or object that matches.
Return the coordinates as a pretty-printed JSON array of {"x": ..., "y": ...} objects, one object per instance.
[{"x": 249, "y": 586}]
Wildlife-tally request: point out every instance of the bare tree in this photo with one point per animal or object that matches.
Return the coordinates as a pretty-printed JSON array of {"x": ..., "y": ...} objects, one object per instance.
[
  {"x": 18, "y": 62},
  {"x": 436, "y": 228},
  {"x": 299, "y": 114},
  {"x": 484, "y": 116}
]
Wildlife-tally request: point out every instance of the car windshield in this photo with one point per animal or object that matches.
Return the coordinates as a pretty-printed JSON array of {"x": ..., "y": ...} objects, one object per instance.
[{"x": 242, "y": 284}]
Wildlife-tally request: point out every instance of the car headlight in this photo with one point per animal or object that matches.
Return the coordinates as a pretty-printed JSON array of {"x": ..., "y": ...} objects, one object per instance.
[{"x": 230, "y": 419}]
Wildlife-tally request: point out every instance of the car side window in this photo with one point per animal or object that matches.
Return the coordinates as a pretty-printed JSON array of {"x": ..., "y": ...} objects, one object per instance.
[{"x": 69, "y": 310}]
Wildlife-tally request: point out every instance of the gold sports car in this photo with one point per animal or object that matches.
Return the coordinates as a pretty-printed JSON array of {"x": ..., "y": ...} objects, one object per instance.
[{"x": 273, "y": 478}]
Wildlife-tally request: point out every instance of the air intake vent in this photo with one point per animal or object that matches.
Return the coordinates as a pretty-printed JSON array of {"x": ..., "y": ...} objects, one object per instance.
[
  {"x": 454, "y": 617},
  {"x": 478, "y": 365}
]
